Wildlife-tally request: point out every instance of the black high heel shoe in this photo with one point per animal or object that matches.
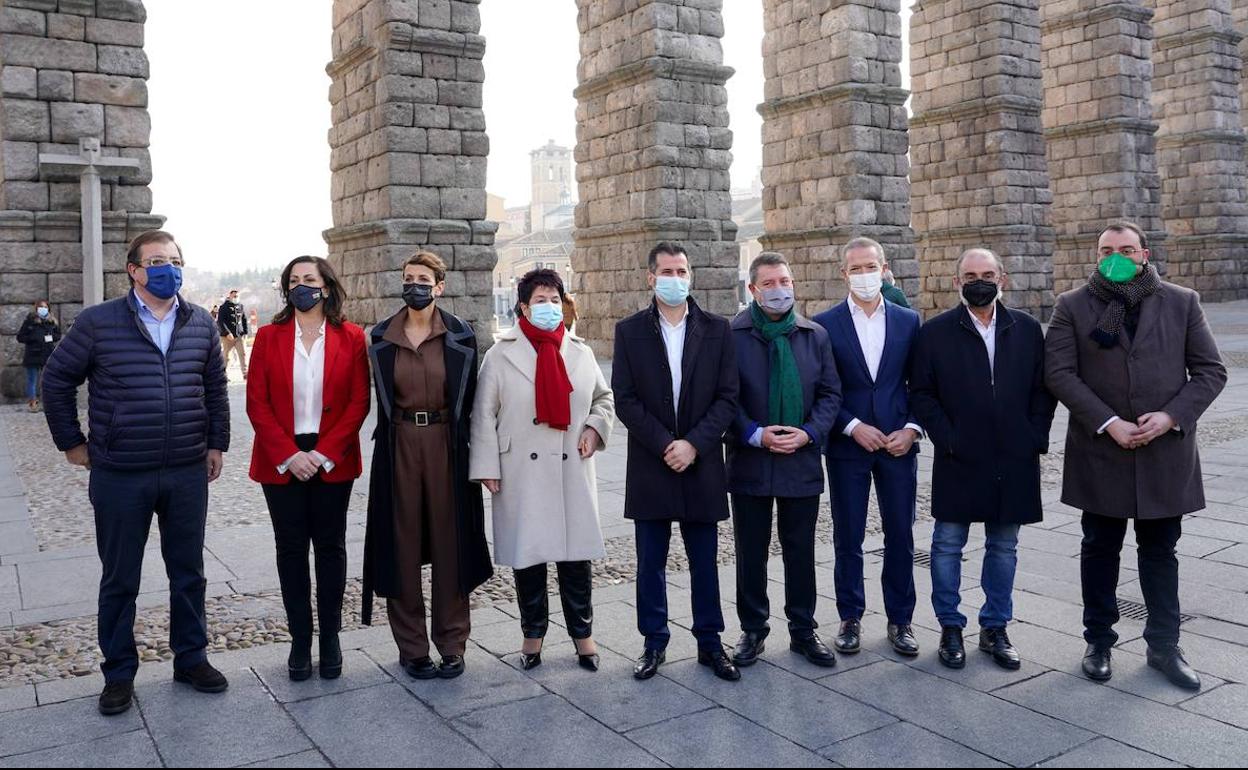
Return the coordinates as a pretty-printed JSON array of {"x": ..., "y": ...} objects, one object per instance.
[
  {"x": 530, "y": 661},
  {"x": 587, "y": 662}
]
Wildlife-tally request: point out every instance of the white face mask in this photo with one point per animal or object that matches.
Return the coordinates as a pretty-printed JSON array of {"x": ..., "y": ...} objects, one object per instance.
[{"x": 866, "y": 286}]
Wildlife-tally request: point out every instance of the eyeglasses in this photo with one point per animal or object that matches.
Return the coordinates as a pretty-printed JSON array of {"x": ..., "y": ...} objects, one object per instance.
[
  {"x": 161, "y": 262},
  {"x": 1129, "y": 251}
]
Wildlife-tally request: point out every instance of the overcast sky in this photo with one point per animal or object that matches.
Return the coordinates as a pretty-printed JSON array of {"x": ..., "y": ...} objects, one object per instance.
[{"x": 240, "y": 111}]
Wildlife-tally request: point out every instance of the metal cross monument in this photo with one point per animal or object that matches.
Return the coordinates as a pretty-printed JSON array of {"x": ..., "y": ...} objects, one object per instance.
[{"x": 90, "y": 166}]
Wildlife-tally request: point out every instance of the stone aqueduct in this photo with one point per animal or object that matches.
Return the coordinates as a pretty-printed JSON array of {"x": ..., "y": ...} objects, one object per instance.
[{"x": 1031, "y": 122}]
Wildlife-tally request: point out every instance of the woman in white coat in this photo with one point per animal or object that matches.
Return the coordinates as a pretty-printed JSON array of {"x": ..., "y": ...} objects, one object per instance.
[{"x": 543, "y": 409}]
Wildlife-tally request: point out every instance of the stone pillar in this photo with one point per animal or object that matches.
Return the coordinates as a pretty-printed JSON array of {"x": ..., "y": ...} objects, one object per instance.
[
  {"x": 1099, "y": 128},
  {"x": 978, "y": 175},
  {"x": 835, "y": 140},
  {"x": 653, "y": 153},
  {"x": 1239, "y": 17},
  {"x": 68, "y": 70},
  {"x": 409, "y": 154},
  {"x": 1200, "y": 146}
]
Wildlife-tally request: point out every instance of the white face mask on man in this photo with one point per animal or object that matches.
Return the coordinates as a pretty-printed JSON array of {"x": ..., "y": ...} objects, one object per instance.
[{"x": 866, "y": 286}]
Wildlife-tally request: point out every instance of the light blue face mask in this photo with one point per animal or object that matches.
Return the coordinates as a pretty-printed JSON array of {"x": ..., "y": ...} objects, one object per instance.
[
  {"x": 547, "y": 316},
  {"x": 671, "y": 291}
]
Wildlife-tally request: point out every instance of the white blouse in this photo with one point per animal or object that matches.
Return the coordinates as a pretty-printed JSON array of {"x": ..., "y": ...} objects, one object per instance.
[{"x": 309, "y": 382}]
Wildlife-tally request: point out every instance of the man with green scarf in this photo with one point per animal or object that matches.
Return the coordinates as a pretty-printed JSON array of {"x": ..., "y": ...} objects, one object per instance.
[
  {"x": 1134, "y": 360},
  {"x": 790, "y": 395}
]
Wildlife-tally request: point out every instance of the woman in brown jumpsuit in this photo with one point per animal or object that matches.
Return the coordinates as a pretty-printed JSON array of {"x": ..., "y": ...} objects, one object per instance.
[{"x": 422, "y": 508}]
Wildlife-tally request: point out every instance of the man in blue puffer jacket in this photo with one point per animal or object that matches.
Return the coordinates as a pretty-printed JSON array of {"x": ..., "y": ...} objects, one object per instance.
[{"x": 159, "y": 423}]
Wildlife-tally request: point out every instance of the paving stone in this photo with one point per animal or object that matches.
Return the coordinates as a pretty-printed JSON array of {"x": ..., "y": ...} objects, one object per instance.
[
  {"x": 1104, "y": 752},
  {"x": 399, "y": 731},
  {"x": 1228, "y": 703},
  {"x": 612, "y": 696},
  {"x": 487, "y": 682},
  {"x": 548, "y": 732},
  {"x": 17, "y": 698},
  {"x": 132, "y": 749},
  {"x": 720, "y": 738},
  {"x": 788, "y": 705},
  {"x": 1171, "y": 733},
  {"x": 188, "y": 727},
  {"x": 359, "y": 671},
  {"x": 904, "y": 745},
  {"x": 981, "y": 722},
  {"x": 22, "y": 732},
  {"x": 302, "y": 759}
]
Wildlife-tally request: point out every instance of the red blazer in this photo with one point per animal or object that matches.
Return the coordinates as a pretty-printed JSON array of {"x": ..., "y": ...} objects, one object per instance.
[{"x": 271, "y": 401}]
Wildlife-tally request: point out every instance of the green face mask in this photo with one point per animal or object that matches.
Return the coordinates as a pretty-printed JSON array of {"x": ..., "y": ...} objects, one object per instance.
[{"x": 1118, "y": 268}]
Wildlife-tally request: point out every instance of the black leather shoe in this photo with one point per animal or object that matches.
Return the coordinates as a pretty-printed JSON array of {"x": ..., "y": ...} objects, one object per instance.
[
  {"x": 952, "y": 650},
  {"x": 719, "y": 661},
  {"x": 117, "y": 698},
  {"x": 1097, "y": 664},
  {"x": 903, "y": 641},
  {"x": 814, "y": 650},
  {"x": 749, "y": 647},
  {"x": 452, "y": 666},
  {"x": 849, "y": 640},
  {"x": 331, "y": 657},
  {"x": 997, "y": 642},
  {"x": 588, "y": 662},
  {"x": 1171, "y": 663},
  {"x": 299, "y": 666},
  {"x": 204, "y": 678},
  {"x": 422, "y": 668},
  {"x": 529, "y": 662},
  {"x": 648, "y": 664}
]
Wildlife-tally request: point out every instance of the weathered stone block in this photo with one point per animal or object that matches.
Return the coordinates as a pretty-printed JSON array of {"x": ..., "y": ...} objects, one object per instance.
[
  {"x": 121, "y": 10},
  {"x": 72, "y": 121},
  {"x": 67, "y": 27},
  {"x": 113, "y": 32},
  {"x": 43, "y": 53},
  {"x": 110, "y": 89},
  {"x": 460, "y": 203},
  {"x": 23, "y": 21},
  {"x": 19, "y": 82},
  {"x": 26, "y": 120},
  {"x": 26, "y": 196},
  {"x": 128, "y": 126},
  {"x": 124, "y": 60},
  {"x": 21, "y": 161},
  {"x": 56, "y": 85},
  {"x": 23, "y": 287}
]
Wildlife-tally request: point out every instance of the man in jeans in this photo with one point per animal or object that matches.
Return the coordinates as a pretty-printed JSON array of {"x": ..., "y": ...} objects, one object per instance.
[
  {"x": 159, "y": 422},
  {"x": 978, "y": 388}
]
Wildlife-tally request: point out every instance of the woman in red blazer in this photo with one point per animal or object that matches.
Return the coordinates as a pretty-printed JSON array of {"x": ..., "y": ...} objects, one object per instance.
[{"x": 307, "y": 397}]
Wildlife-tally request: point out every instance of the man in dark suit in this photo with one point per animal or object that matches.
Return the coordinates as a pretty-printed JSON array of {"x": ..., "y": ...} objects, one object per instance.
[
  {"x": 675, "y": 382},
  {"x": 790, "y": 396},
  {"x": 1136, "y": 363},
  {"x": 874, "y": 438},
  {"x": 978, "y": 387}
]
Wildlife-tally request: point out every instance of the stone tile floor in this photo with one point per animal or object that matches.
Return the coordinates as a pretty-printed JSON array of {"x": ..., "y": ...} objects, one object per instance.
[{"x": 873, "y": 709}]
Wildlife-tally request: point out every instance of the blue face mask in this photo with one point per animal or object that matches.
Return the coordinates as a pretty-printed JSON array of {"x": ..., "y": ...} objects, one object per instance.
[
  {"x": 43, "y": 312},
  {"x": 164, "y": 282},
  {"x": 305, "y": 297},
  {"x": 546, "y": 317},
  {"x": 671, "y": 291}
]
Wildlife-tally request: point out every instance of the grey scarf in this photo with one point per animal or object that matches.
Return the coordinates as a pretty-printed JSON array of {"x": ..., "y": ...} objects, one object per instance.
[{"x": 1121, "y": 298}]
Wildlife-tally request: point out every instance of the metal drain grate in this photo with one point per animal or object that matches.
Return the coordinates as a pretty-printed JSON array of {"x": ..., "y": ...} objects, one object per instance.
[
  {"x": 921, "y": 558},
  {"x": 1139, "y": 611}
]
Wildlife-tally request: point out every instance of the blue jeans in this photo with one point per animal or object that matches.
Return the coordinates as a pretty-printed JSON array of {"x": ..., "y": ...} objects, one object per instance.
[
  {"x": 997, "y": 579},
  {"x": 32, "y": 382}
]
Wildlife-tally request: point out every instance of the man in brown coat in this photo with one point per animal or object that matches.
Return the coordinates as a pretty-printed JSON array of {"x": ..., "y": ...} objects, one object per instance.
[{"x": 1134, "y": 360}]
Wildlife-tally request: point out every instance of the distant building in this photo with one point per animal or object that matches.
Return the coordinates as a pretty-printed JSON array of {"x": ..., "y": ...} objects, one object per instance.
[{"x": 550, "y": 249}]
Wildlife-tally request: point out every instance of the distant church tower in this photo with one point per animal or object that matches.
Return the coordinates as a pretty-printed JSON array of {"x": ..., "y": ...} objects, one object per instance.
[{"x": 552, "y": 182}]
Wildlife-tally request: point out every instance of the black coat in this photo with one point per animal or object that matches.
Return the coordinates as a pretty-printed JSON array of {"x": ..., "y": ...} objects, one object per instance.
[
  {"x": 759, "y": 472},
  {"x": 989, "y": 428},
  {"x": 33, "y": 335},
  {"x": 642, "y": 383},
  {"x": 381, "y": 566},
  {"x": 232, "y": 319}
]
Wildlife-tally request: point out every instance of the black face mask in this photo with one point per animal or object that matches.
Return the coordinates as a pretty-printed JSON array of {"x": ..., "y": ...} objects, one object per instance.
[
  {"x": 980, "y": 293},
  {"x": 305, "y": 297},
  {"x": 418, "y": 296}
]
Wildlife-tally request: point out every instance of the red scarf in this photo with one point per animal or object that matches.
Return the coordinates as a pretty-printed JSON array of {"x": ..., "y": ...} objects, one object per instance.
[{"x": 554, "y": 388}]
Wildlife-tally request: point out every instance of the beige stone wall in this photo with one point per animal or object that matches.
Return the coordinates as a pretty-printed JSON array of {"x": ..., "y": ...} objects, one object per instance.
[
  {"x": 653, "y": 153},
  {"x": 835, "y": 140},
  {"x": 68, "y": 70},
  {"x": 409, "y": 152}
]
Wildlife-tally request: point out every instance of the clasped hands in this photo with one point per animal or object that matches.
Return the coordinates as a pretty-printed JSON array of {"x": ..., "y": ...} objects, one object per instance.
[{"x": 1146, "y": 430}]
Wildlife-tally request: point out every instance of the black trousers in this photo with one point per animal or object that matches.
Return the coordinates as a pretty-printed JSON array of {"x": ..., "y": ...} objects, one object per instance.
[
  {"x": 310, "y": 513},
  {"x": 1159, "y": 577},
  {"x": 576, "y": 586},
  {"x": 795, "y": 519}
]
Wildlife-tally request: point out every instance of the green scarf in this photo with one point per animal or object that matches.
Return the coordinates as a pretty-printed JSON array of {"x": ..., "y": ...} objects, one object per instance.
[{"x": 786, "y": 404}]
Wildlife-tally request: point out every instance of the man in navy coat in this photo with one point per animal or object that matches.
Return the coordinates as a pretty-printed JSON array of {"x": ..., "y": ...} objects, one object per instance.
[
  {"x": 874, "y": 439},
  {"x": 790, "y": 397},
  {"x": 675, "y": 382}
]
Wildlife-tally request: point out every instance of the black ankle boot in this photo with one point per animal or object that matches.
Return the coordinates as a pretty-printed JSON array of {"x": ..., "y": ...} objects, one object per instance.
[
  {"x": 331, "y": 656},
  {"x": 299, "y": 664}
]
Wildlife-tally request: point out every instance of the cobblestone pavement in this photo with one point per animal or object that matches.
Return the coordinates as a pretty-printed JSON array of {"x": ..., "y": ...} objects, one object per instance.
[{"x": 872, "y": 709}]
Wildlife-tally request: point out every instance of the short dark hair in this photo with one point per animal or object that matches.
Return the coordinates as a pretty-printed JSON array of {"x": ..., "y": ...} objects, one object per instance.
[
  {"x": 532, "y": 280},
  {"x": 665, "y": 247},
  {"x": 135, "y": 249},
  {"x": 767, "y": 259},
  {"x": 1124, "y": 226},
  {"x": 335, "y": 295},
  {"x": 430, "y": 260}
]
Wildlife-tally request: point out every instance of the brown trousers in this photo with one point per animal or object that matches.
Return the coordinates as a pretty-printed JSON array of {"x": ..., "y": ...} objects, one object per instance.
[
  {"x": 237, "y": 345},
  {"x": 425, "y": 526}
]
